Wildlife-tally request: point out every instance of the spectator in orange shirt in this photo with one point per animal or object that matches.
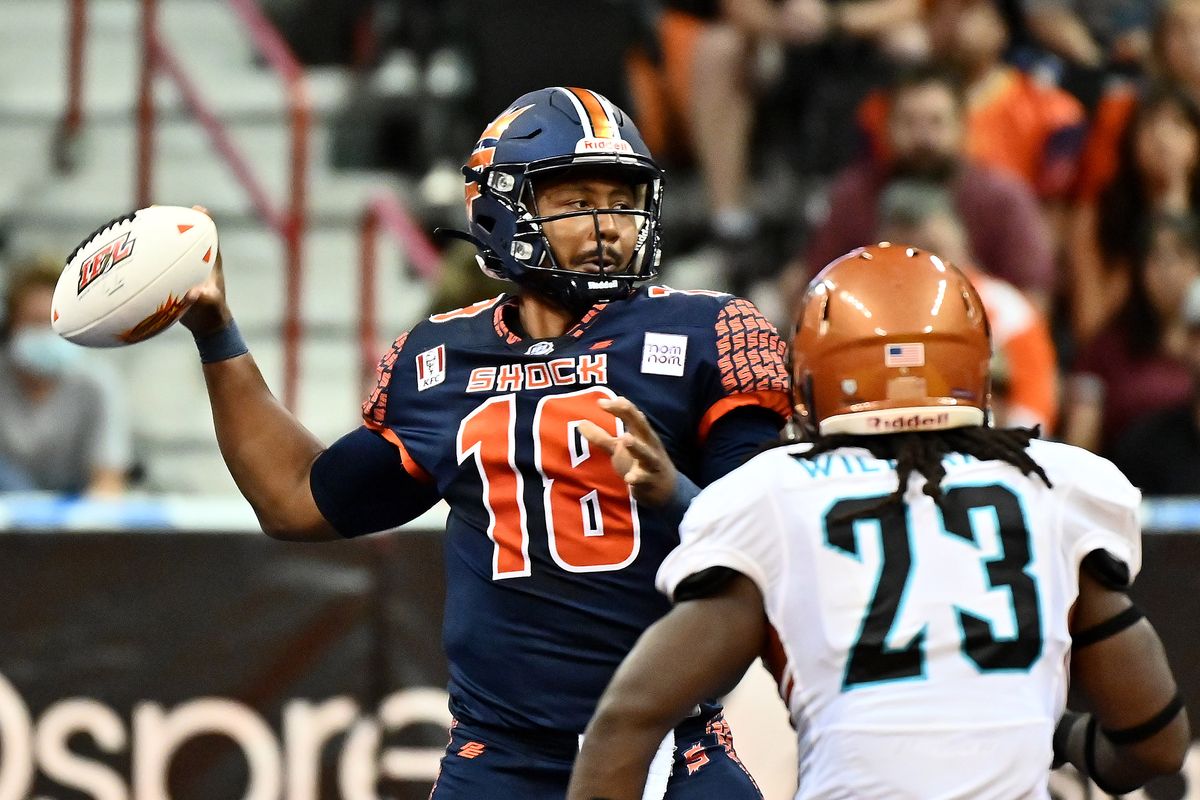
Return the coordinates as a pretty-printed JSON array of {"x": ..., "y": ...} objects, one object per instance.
[
  {"x": 1157, "y": 171},
  {"x": 1015, "y": 123},
  {"x": 1024, "y": 365}
]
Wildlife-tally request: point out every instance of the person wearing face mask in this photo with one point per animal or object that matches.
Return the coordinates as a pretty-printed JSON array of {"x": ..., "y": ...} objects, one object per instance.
[{"x": 63, "y": 427}]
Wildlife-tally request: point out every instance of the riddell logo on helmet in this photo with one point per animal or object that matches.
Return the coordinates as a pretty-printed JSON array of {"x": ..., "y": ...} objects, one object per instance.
[
  {"x": 913, "y": 422},
  {"x": 591, "y": 145}
]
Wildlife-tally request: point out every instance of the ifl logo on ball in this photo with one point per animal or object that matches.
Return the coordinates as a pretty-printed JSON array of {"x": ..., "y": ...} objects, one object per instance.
[{"x": 103, "y": 260}]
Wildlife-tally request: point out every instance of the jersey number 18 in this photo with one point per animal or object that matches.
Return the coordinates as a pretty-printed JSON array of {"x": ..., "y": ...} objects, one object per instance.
[{"x": 591, "y": 518}]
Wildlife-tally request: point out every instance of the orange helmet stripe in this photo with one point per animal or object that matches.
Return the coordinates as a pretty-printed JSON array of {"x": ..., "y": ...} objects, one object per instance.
[{"x": 603, "y": 125}]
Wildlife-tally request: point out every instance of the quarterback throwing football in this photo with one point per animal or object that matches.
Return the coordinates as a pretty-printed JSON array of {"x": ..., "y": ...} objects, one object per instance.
[{"x": 567, "y": 424}]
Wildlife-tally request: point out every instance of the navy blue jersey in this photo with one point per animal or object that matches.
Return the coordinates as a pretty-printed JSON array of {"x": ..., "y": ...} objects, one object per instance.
[{"x": 550, "y": 562}]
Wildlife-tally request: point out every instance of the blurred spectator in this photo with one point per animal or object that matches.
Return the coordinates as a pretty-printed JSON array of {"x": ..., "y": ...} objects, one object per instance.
[
  {"x": 62, "y": 426},
  {"x": 1005, "y": 229},
  {"x": 1176, "y": 61},
  {"x": 696, "y": 98},
  {"x": 1015, "y": 123},
  {"x": 1133, "y": 366},
  {"x": 696, "y": 90},
  {"x": 819, "y": 85},
  {"x": 1156, "y": 172},
  {"x": 1093, "y": 38},
  {"x": 1161, "y": 452},
  {"x": 1024, "y": 366}
]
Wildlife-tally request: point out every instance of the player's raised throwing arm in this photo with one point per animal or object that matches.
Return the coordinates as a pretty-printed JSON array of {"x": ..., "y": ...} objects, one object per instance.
[
  {"x": 268, "y": 452},
  {"x": 678, "y": 662}
]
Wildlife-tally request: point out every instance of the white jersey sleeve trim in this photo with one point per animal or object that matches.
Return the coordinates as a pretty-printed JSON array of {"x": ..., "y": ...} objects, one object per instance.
[{"x": 684, "y": 562}]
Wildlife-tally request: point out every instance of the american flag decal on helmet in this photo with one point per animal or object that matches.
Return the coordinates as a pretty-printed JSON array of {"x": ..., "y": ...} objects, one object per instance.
[{"x": 909, "y": 354}]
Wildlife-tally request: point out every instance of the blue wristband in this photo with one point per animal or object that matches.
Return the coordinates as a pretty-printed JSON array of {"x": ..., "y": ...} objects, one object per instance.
[
  {"x": 222, "y": 345},
  {"x": 685, "y": 493}
]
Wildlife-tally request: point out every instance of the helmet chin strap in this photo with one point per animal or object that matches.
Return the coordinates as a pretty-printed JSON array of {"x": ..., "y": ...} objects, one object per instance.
[{"x": 570, "y": 293}]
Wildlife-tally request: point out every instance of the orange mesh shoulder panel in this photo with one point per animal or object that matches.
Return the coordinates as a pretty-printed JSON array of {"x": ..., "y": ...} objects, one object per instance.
[
  {"x": 750, "y": 352},
  {"x": 375, "y": 407}
]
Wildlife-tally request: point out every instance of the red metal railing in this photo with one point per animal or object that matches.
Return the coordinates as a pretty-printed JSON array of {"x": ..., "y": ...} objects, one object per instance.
[
  {"x": 289, "y": 221},
  {"x": 385, "y": 210},
  {"x": 71, "y": 124}
]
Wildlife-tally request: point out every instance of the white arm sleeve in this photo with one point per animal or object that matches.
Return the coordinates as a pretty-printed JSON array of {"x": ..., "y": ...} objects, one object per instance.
[
  {"x": 1100, "y": 512},
  {"x": 732, "y": 523}
]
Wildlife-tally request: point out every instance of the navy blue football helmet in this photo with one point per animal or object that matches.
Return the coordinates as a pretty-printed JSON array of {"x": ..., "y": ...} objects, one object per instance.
[{"x": 539, "y": 135}]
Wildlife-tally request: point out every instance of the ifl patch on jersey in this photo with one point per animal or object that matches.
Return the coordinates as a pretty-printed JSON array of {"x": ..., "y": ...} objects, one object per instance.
[{"x": 550, "y": 561}]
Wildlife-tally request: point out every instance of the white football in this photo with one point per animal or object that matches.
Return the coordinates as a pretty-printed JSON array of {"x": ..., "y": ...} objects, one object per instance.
[{"x": 126, "y": 282}]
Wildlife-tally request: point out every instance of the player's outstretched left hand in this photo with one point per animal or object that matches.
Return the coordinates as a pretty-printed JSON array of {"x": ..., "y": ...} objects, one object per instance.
[{"x": 638, "y": 454}]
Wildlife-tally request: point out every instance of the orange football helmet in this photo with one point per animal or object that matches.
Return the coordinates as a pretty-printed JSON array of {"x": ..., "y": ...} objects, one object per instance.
[{"x": 890, "y": 338}]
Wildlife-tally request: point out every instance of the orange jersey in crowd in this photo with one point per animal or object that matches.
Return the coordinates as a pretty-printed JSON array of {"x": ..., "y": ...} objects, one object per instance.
[
  {"x": 1014, "y": 123},
  {"x": 1098, "y": 163},
  {"x": 1023, "y": 360}
]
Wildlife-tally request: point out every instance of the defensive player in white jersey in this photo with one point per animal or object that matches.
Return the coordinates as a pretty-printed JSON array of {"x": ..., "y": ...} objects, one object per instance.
[{"x": 927, "y": 585}]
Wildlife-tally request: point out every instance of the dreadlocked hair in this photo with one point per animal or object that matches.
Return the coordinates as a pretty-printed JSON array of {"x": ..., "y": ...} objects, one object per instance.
[{"x": 923, "y": 452}]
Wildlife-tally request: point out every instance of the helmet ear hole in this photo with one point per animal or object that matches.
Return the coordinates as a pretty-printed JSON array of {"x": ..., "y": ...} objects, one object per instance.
[
  {"x": 826, "y": 308},
  {"x": 808, "y": 418},
  {"x": 486, "y": 222}
]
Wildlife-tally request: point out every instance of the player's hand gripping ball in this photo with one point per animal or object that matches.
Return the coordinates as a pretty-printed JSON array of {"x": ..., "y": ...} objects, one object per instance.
[{"x": 127, "y": 281}]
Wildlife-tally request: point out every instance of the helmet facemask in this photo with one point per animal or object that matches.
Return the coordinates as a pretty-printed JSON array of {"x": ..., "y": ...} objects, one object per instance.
[
  {"x": 618, "y": 269},
  {"x": 531, "y": 248}
]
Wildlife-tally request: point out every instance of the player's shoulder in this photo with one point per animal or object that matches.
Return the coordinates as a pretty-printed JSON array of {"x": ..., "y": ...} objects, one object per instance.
[
  {"x": 725, "y": 317},
  {"x": 687, "y": 305},
  {"x": 764, "y": 487},
  {"x": 1078, "y": 470},
  {"x": 742, "y": 491},
  {"x": 457, "y": 322}
]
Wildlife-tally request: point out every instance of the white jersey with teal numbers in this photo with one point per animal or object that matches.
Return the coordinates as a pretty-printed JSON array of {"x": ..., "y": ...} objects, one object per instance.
[{"x": 923, "y": 653}]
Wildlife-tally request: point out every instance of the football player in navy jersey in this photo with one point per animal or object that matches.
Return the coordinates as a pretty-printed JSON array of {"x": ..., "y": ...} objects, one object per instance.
[{"x": 567, "y": 424}]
